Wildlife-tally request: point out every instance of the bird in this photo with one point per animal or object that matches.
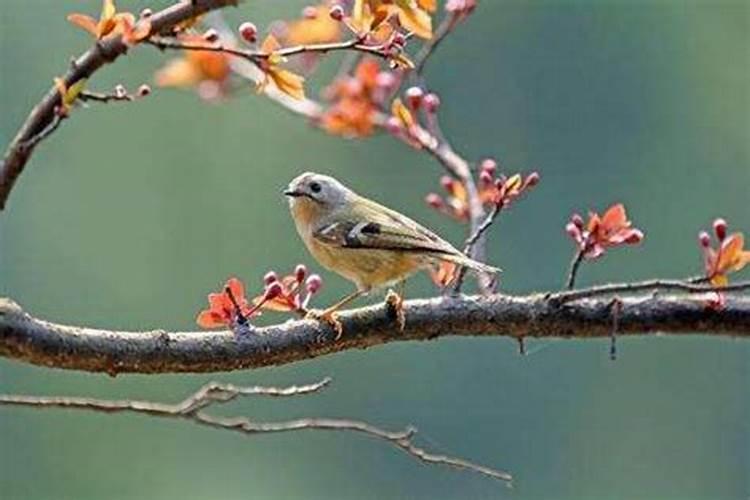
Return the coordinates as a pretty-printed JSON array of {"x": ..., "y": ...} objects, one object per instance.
[{"x": 365, "y": 242}]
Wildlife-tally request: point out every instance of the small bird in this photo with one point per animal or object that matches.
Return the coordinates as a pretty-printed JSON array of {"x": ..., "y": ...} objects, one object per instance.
[{"x": 363, "y": 241}]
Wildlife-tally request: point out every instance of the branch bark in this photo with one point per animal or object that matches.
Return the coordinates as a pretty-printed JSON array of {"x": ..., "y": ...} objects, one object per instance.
[
  {"x": 39, "y": 342},
  {"x": 104, "y": 51}
]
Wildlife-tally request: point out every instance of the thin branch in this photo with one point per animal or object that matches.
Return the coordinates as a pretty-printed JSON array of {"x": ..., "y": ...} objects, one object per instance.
[
  {"x": 193, "y": 409},
  {"x": 575, "y": 264},
  {"x": 561, "y": 315},
  {"x": 431, "y": 45},
  {"x": 474, "y": 237},
  {"x": 87, "y": 95},
  {"x": 258, "y": 56},
  {"x": 691, "y": 285},
  {"x": 40, "y": 122}
]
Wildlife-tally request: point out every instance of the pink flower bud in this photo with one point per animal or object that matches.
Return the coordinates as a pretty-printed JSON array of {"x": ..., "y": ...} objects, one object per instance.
[
  {"x": 120, "y": 91},
  {"x": 447, "y": 183},
  {"x": 146, "y": 13},
  {"x": 485, "y": 177},
  {"x": 577, "y": 221},
  {"x": 720, "y": 229},
  {"x": 704, "y": 239},
  {"x": 313, "y": 284},
  {"x": 273, "y": 290},
  {"x": 532, "y": 179},
  {"x": 431, "y": 102},
  {"x": 393, "y": 125},
  {"x": 435, "y": 201},
  {"x": 573, "y": 231},
  {"x": 144, "y": 90},
  {"x": 398, "y": 39},
  {"x": 248, "y": 32},
  {"x": 270, "y": 277},
  {"x": 211, "y": 35},
  {"x": 310, "y": 12},
  {"x": 336, "y": 12},
  {"x": 385, "y": 80},
  {"x": 414, "y": 97},
  {"x": 635, "y": 236},
  {"x": 488, "y": 165},
  {"x": 300, "y": 272}
]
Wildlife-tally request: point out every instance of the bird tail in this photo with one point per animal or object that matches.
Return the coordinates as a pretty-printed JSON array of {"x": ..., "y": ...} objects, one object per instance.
[{"x": 472, "y": 264}]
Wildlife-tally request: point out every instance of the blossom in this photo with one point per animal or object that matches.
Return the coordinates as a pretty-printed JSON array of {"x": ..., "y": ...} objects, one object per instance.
[
  {"x": 730, "y": 255},
  {"x": 227, "y": 308},
  {"x": 354, "y": 101},
  {"x": 284, "y": 80},
  {"x": 209, "y": 71},
  {"x": 601, "y": 232},
  {"x": 113, "y": 22},
  {"x": 292, "y": 293}
]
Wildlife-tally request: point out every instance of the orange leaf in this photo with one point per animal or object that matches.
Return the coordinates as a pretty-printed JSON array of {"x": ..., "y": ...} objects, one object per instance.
[
  {"x": 428, "y": 5},
  {"x": 287, "y": 82},
  {"x": 85, "y": 22},
  {"x": 402, "y": 113},
  {"x": 209, "y": 319},
  {"x": 414, "y": 19},
  {"x": 731, "y": 256},
  {"x": 615, "y": 217}
]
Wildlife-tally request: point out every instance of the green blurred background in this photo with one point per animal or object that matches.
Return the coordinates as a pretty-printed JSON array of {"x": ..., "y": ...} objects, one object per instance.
[{"x": 130, "y": 214}]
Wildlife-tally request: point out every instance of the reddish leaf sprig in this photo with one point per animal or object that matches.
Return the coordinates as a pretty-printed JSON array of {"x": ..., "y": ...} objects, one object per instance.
[
  {"x": 291, "y": 293},
  {"x": 602, "y": 232},
  {"x": 729, "y": 256},
  {"x": 494, "y": 191},
  {"x": 230, "y": 308}
]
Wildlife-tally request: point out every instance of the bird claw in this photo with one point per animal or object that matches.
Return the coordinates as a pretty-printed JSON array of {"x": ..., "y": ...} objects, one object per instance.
[
  {"x": 329, "y": 317},
  {"x": 394, "y": 304}
]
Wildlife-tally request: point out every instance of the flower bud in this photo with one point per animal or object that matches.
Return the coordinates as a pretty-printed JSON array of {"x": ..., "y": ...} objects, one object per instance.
[
  {"x": 577, "y": 221},
  {"x": 336, "y": 12},
  {"x": 720, "y": 229},
  {"x": 414, "y": 97},
  {"x": 448, "y": 183},
  {"x": 270, "y": 277},
  {"x": 635, "y": 236},
  {"x": 146, "y": 13},
  {"x": 532, "y": 179},
  {"x": 485, "y": 177},
  {"x": 300, "y": 272},
  {"x": 385, "y": 80},
  {"x": 310, "y": 12},
  {"x": 573, "y": 231},
  {"x": 120, "y": 91},
  {"x": 398, "y": 39},
  {"x": 144, "y": 90},
  {"x": 488, "y": 165},
  {"x": 211, "y": 35},
  {"x": 313, "y": 284},
  {"x": 435, "y": 201},
  {"x": 704, "y": 239},
  {"x": 431, "y": 102},
  {"x": 273, "y": 290},
  {"x": 248, "y": 32},
  {"x": 393, "y": 125}
]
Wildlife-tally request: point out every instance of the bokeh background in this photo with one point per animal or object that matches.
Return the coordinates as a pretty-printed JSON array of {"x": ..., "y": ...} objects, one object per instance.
[{"x": 130, "y": 214}]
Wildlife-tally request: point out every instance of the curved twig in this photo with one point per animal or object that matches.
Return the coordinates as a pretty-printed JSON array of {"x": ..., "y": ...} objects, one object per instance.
[{"x": 193, "y": 409}]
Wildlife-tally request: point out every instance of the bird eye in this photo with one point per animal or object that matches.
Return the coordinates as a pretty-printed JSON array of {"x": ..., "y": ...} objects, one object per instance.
[{"x": 315, "y": 187}]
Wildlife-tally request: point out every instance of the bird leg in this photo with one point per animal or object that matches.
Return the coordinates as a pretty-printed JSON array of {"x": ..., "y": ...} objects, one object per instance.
[
  {"x": 329, "y": 315},
  {"x": 394, "y": 303}
]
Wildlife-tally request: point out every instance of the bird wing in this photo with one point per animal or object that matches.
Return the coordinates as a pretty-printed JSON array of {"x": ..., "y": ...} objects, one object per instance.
[{"x": 373, "y": 226}]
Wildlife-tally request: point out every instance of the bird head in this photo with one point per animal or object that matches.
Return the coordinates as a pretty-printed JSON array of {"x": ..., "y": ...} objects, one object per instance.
[{"x": 317, "y": 190}]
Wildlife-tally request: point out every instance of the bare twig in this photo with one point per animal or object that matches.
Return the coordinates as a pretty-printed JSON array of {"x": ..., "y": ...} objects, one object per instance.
[
  {"x": 87, "y": 95},
  {"x": 473, "y": 238},
  {"x": 192, "y": 409},
  {"x": 431, "y": 45},
  {"x": 691, "y": 285},
  {"x": 562, "y": 315},
  {"x": 258, "y": 56}
]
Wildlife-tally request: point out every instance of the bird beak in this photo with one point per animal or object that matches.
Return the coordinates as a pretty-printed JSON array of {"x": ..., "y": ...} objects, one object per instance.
[{"x": 292, "y": 193}]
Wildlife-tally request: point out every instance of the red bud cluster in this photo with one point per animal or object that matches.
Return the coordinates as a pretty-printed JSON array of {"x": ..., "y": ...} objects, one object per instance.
[
  {"x": 610, "y": 230},
  {"x": 289, "y": 293},
  {"x": 248, "y": 32},
  {"x": 728, "y": 256}
]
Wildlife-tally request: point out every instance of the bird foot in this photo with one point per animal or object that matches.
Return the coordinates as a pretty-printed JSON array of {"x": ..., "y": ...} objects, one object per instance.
[
  {"x": 329, "y": 317},
  {"x": 394, "y": 304}
]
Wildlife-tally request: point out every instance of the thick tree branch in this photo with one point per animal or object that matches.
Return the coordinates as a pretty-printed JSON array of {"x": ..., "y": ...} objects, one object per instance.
[
  {"x": 39, "y": 342},
  {"x": 192, "y": 409},
  {"x": 42, "y": 119}
]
